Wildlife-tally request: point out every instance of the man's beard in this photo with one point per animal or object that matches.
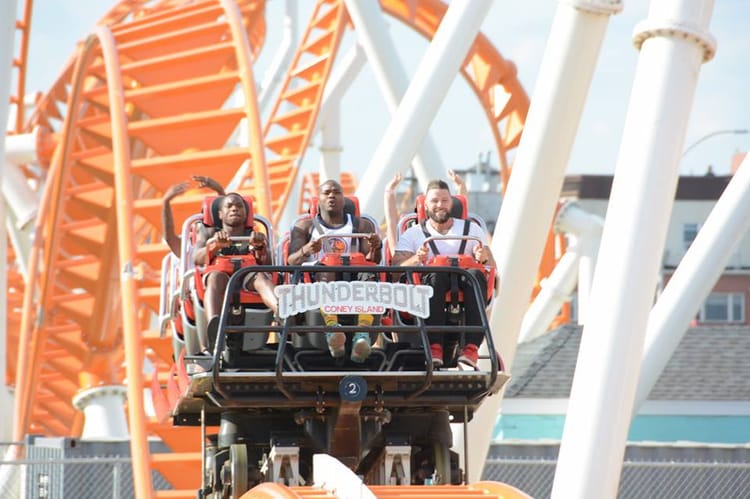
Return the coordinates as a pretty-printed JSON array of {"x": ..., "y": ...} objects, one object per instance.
[{"x": 439, "y": 217}]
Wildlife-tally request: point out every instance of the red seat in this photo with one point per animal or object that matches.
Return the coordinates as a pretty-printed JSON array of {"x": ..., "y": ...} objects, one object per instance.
[
  {"x": 226, "y": 263},
  {"x": 459, "y": 210},
  {"x": 351, "y": 207}
]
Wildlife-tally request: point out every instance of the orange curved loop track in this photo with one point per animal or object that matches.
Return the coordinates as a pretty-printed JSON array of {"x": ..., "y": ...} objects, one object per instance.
[{"x": 144, "y": 104}]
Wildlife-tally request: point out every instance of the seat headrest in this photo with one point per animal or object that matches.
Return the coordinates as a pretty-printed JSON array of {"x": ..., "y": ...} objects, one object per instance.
[
  {"x": 211, "y": 206},
  {"x": 459, "y": 208}
]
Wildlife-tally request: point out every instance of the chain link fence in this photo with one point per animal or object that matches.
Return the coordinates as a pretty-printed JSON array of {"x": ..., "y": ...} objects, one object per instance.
[
  {"x": 649, "y": 471},
  {"x": 61, "y": 468},
  {"x": 57, "y": 469}
]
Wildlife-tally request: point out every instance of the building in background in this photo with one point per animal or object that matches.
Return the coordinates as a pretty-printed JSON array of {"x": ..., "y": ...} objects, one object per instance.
[
  {"x": 695, "y": 198},
  {"x": 691, "y": 438}
]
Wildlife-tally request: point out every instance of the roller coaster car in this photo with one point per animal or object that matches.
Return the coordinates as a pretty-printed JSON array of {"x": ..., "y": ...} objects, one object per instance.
[
  {"x": 389, "y": 424},
  {"x": 278, "y": 405}
]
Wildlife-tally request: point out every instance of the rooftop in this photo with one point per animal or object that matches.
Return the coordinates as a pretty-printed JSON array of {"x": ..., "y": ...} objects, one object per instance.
[
  {"x": 543, "y": 367},
  {"x": 699, "y": 187}
]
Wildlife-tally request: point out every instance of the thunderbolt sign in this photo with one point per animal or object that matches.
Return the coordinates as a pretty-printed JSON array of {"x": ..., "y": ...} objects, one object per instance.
[{"x": 356, "y": 297}]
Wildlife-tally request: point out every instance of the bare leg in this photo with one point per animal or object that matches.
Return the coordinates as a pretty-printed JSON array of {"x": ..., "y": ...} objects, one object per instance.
[
  {"x": 265, "y": 287},
  {"x": 216, "y": 286}
]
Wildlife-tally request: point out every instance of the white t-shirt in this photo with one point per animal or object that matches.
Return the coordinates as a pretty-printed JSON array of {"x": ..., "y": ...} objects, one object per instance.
[
  {"x": 413, "y": 238},
  {"x": 335, "y": 242}
]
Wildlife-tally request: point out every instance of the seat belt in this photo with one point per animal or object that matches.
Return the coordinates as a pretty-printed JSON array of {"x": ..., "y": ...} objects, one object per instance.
[{"x": 454, "y": 287}]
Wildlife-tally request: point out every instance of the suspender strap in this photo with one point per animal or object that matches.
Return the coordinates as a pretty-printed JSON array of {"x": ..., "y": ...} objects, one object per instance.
[
  {"x": 454, "y": 277},
  {"x": 455, "y": 288},
  {"x": 462, "y": 248},
  {"x": 433, "y": 246}
]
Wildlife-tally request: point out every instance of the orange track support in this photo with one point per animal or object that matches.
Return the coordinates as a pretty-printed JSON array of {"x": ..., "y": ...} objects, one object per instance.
[
  {"x": 287, "y": 132},
  {"x": 126, "y": 138}
]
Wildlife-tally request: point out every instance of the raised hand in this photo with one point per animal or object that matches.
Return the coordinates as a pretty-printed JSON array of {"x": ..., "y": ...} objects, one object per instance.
[
  {"x": 175, "y": 190},
  {"x": 208, "y": 183},
  {"x": 458, "y": 182},
  {"x": 394, "y": 182}
]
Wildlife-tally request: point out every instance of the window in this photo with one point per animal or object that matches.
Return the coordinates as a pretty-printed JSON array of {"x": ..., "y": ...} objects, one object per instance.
[
  {"x": 723, "y": 307},
  {"x": 689, "y": 232}
]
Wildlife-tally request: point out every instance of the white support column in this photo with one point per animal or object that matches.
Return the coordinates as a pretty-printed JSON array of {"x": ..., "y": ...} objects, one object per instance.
[
  {"x": 586, "y": 264},
  {"x": 338, "y": 84},
  {"x": 437, "y": 70},
  {"x": 283, "y": 57},
  {"x": 587, "y": 230},
  {"x": 584, "y": 233},
  {"x": 328, "y": 121},
  {"x": 555, "y": 291},
  {"x": 7, "y": 35},
  {"x": 392, "y": 79},
  {"x": 534, "y": 188},
  {"x": 103, "y": 408},
  {"x": 20, "y": 197},
  {"x": 674, "y": 43},
  {"x": 330, "y": 144},
  {"x": 694, "y": 278}
]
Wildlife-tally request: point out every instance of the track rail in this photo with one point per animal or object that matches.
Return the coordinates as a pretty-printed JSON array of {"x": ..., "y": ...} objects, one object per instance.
[
  {"x": 485, "y": 490},
  {"x": 24, "y": 26}
]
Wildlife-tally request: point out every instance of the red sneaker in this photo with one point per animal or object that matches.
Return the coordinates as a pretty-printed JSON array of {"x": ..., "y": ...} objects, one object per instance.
[
  {"x": 436, "y": 349},
  {"x": 469, "y": 356}
]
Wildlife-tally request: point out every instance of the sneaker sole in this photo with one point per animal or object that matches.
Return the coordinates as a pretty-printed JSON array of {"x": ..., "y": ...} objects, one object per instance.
[
  {"x": 336, "y": 344},
  {"x": 361, "y": 351},
  {"x": 468, "y": 362}
]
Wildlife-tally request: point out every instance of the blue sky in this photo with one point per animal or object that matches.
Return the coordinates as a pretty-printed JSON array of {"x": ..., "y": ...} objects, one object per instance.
[{"x": 519, "y": 31}]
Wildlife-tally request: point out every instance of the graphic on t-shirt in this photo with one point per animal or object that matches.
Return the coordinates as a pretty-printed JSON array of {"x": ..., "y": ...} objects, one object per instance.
[{"x": 334, "y": 245}]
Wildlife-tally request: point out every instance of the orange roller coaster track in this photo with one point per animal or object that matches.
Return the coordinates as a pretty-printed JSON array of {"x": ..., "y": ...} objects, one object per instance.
[{"x": 143, "y": 104}]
